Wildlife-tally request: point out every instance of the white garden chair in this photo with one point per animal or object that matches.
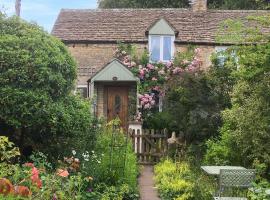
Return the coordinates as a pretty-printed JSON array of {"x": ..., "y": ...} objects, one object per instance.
[{"x": 234, "y": 179}]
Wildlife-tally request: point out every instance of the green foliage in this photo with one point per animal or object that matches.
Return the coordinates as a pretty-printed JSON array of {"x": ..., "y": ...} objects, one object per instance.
[
  {"x": 142, "y": 3},
  {"x": 245, "y": 132},
  {"x": 194, "y": 107},
  {"x": 7, "y": 150},
  {"x": 37, "y": 75},
  {"x": 119, "y": 192},
  {"x": 216, "y": 4},
  {"x": 180, "y": 182},
  {"x": 113, "y": 161},
  {"x": 158, "y": 121},
  {"x": 260, "y": 191}
]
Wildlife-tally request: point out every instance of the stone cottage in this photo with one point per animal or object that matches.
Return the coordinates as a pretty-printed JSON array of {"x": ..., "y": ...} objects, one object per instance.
[{"x": 92, "y": 35}]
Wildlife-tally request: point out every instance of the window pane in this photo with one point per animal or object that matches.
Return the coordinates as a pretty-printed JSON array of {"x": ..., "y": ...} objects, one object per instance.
[
  {"x": 117, "y": 104},
  {"x": 155, "y": 48},
  {"x": 221, "y": 58},
  {"x": 82, "y": 92},
  {"x": 167, "y": 48}
]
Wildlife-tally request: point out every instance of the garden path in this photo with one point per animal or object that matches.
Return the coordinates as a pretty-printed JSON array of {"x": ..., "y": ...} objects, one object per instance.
[{"x": 146, "y": 184}]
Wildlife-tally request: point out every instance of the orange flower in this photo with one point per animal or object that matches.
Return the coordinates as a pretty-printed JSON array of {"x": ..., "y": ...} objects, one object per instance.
[
  {"x": 6, "y": 187},
  {"x": 22, "y": 191},
  {"x": 62, "y": 173}
]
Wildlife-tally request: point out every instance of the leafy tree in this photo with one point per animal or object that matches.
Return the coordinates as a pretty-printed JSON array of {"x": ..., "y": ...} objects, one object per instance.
[
  {"x": 194, "y": 107},
  {"x": 37, "y": 76},
  {"x": 245, "y": 134},
  {"x": 216, "y": 4}
]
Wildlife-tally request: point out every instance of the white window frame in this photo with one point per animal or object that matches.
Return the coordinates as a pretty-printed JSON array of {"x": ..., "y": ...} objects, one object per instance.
[
  {"x": 81, "y": 86},
  {"x": 161, "y": 47}
]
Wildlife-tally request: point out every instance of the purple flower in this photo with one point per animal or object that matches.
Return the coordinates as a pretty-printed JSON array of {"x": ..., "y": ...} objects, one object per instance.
[
  {"x": 54, "y": 197},
  {"x": 89, "y": 190}
]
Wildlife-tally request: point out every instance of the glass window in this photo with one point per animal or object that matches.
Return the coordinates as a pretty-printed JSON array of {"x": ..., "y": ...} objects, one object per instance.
[
  {"x": 167, "y": 48},
  {"x": 117, "y": 104},
  {"x": 161, "y": 48},
  {"x": 155, "y": 48},
  {"x": 220, "y": 51},
  {"x": 82, "y": 91}
]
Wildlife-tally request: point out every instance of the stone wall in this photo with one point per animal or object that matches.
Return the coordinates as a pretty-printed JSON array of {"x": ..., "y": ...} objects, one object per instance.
[{"x": 92, "y": 57}]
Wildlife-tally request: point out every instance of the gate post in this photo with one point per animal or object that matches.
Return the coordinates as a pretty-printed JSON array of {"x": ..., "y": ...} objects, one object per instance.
[{"x": 136, "y": 129}]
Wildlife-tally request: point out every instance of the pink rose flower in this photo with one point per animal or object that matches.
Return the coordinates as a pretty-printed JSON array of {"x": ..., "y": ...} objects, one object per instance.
[
  {"x": 169, "y": 64},
  {"x": 150, "y": 66}
]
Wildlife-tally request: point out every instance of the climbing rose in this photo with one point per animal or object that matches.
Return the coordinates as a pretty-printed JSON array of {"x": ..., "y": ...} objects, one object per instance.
[{"x": 150, "y": 66}]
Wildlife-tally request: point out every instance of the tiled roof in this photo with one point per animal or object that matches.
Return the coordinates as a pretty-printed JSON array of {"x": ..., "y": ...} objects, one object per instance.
[{"x": 110, "y": 25}]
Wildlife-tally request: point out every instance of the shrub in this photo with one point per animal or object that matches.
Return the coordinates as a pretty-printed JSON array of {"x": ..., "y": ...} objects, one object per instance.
[
  {"x": 180, "y": 181},
  {"x": 37, "y": 76},
  {"x": 193, "y": 106}
]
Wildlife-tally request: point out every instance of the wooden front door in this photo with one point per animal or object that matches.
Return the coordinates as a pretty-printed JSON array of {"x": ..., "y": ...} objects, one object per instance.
[{"x": 117, "y": 105}]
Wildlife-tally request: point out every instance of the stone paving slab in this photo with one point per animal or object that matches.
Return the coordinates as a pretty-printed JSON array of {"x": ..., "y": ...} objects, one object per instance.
[{"x": 146, "y": 184}]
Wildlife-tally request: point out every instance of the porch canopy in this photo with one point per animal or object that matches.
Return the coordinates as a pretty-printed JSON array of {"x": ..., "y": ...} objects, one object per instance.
[{"x": 114, "y": 72}]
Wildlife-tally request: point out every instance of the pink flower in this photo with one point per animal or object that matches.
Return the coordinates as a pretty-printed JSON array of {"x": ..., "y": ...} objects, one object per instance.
[
  {"x": 132, "y": 64},
  {"x": 154, "y": 79},
  {"x": 157, "y": 88},
  {"x": 177, "y": 70},
  {"x": 150, "y": 66},
  {"x": 197, "y": 50},
  {"x": 152, "y": 102},
  {"x": 141, "y": 72},
  {"x": 161, "y": 72},
  {"x": 146, "y": 69},
  {"x": 147, "y": 106},
  {"x": 185, "y": 62},
  {"x": 62, "y": 173},
  {"x": 168, "y": 64}
]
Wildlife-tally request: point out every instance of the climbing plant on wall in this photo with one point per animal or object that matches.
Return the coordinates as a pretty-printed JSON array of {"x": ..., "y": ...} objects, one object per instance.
[{"x": 154, "y": 76}]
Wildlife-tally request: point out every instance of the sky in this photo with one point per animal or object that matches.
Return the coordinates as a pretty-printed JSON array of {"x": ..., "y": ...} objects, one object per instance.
[{"x": 44, "y": 12}]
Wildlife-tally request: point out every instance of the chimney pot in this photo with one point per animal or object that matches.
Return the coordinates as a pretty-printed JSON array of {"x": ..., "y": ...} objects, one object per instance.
[{"x": 198, "y": 5}]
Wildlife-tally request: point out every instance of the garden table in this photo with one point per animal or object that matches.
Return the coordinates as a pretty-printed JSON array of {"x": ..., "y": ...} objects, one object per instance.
[{"x": 215, "y": 170}]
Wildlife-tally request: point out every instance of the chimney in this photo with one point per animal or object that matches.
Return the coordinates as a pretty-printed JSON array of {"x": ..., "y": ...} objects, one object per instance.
[
  {"x": 198, "y": 5},
  {"x": 18, "y": 7}
]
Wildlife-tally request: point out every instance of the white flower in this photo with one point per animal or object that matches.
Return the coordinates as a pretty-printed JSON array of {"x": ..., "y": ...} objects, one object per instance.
[
  {"x": 98, "y": 161},
  {"x": 73, "y": 152}
]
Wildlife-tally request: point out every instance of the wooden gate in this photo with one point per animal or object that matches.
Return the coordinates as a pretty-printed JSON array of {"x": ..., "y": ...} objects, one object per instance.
[{"x": 149, "y": 145}]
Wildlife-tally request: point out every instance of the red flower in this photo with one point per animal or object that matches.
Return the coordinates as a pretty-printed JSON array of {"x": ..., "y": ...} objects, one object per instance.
[
  {"x": 34, "y": 175},
  {"x": 23, "y": 191},
  {"x": 6, "y": 187}
]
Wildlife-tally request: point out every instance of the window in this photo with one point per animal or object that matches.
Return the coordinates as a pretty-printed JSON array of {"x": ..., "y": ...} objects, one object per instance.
[
  {"x": 222, "y": 57},
  {"x": 82, "y": 91},
  {"x": 161, "y": 48}
]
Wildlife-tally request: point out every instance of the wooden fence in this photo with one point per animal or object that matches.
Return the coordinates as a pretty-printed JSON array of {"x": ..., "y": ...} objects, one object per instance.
[{"x": 149, "y": 145}]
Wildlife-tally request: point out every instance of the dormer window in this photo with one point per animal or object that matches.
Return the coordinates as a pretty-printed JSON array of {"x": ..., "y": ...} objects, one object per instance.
[
  {"x": 161, "y": 48},
  {"x": 161, "y": 36}
]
